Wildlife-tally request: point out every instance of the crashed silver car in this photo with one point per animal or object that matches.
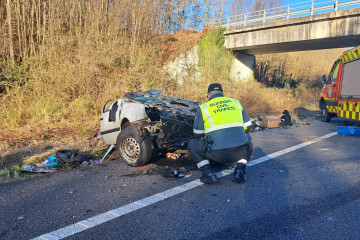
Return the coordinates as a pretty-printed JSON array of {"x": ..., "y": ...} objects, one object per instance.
[{"x": 145, "y": 121}]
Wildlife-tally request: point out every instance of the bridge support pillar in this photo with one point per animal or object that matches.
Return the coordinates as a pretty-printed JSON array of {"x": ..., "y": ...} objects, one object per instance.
[{"x": 242, "y": 67}]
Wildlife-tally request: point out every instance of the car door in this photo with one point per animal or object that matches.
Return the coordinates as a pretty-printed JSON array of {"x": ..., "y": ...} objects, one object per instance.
[{"x": 110, "y": 121}]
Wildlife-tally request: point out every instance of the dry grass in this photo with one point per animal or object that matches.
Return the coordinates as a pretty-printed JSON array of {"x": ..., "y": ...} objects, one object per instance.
[
  {"x": 175, "y": 44},
  {"x": 257, "y": 98},
  {"x": 15, "y": 155}
]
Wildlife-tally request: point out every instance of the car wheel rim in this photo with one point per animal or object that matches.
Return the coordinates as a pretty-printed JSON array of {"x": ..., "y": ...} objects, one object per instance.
[{"x": 131, "y": 148}]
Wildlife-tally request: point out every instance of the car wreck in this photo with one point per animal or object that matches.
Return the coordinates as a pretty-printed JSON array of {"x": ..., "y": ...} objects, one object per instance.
[{"x": 145, "y": 121}]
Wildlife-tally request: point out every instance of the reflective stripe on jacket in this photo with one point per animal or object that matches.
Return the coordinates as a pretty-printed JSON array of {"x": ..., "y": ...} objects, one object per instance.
[{"x": 221, "y": 113}]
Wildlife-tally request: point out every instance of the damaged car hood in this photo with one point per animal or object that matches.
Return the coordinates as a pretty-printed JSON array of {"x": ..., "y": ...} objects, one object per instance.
[{"x": 170, "y": 107}]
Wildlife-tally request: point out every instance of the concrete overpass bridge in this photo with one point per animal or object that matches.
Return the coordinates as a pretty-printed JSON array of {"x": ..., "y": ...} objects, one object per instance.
[{"x": 320, "y": 25}]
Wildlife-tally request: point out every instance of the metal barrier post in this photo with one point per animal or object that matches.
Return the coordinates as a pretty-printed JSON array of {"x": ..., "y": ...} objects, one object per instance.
[
  {"x": 336, "y": 5},
  {"x": 246, "y": 16},
  {"x": 312, "y": 7},
  {"x": 264, "y": 18},
  {"x": 288, "y": 12}
]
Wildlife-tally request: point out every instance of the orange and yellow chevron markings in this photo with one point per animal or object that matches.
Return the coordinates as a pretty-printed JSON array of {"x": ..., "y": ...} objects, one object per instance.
[
  {"x": 350, "y": 110},
  {"x": 351, "y": 54}
]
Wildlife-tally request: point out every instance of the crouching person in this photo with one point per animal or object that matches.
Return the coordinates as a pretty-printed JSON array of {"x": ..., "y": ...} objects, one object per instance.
[{"x": 220, "y": 136}]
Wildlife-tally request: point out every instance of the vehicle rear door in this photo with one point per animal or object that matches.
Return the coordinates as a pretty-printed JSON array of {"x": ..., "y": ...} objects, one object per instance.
[
  {"x": 331, "y": 88},
  {"x": 349, "y": 99}
]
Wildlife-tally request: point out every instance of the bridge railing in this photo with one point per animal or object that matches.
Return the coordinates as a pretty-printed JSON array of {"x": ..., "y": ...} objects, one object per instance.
[{"x": 289, "y": 11}]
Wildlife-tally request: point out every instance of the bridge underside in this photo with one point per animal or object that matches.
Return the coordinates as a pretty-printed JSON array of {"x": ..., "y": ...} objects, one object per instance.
[
  {"x": 316, "y": 44},
  {"x": 322, "y": 31}
]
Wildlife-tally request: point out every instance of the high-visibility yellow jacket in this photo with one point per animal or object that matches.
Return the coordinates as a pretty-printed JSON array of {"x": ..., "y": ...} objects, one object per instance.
[
  {"x": 220, "y": 113},
  {"x": 223, "y": 120}
]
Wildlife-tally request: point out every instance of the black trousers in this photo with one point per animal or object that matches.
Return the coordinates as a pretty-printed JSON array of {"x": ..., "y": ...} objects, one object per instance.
[{"x": 199, "y": 152}]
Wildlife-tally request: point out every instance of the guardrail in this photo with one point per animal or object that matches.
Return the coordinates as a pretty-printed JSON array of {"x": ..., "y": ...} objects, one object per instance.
[{"x": 286, "y": 12}]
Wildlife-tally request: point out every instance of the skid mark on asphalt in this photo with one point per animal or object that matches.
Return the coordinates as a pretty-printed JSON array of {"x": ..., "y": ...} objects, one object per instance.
[{"x": 118, "y": 212}]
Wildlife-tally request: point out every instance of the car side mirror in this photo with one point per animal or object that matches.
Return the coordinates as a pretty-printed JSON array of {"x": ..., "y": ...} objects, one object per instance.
[{"x": 323, "y": 79}]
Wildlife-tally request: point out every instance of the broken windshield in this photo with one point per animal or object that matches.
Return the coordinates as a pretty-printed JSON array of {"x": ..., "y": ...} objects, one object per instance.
[{"x": 154, "y": 96}]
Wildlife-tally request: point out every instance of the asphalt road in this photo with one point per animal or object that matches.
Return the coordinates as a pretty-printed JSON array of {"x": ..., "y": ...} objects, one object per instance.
[{"x": 311, "y": 192}]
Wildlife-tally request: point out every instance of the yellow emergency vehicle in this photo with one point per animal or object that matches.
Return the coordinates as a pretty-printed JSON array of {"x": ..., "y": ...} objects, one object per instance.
[{"x": 340, "y": 97}]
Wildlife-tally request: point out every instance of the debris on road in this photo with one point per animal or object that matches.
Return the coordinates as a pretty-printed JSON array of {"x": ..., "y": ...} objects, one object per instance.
[
  {"x": 71, "y": 156},
  {"x": 264, "y": 121},
  {"x": 49, "y": 165},
  {"x": 174, "y": 156},
  {"x": 51, "y": 162},
  {"x": 91, "y": 162},
  {"x": 143, "y": 167},
  {"x": 178, "y": 174},
  {"x": 348, "y": 130},
  {"x": 63, "y": 159},
  {"x": 32, "y": 168},
  {"x": 272, "y": 121},
  {"x": 141, "y": 170},
  {"x": 256, "y": 124},
  {"x": 94, "y": 135},
  {"x": 285, "y": 120}
]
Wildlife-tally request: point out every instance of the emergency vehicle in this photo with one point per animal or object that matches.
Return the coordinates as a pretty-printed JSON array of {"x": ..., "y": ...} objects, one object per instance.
[{"x": 340, "y": 97}]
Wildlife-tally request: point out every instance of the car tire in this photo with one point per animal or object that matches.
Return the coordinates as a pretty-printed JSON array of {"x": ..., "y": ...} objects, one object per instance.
[
  {"x": 325, "y": 115},
  {"x": 132, "y": 149}
]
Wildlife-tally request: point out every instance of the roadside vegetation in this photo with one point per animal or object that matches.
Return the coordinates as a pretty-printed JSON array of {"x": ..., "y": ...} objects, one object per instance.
[{"x": 61, "y": 60}]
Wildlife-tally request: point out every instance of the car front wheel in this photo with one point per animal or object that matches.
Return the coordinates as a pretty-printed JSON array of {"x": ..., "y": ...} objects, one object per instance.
[{"x": 133, "y": 150}]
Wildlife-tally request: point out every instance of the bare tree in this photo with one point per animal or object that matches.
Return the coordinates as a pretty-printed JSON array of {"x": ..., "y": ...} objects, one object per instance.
[
  {"x": 213, "y": 10},
  {"x": 240, "y": 6},
  {"x": 257, "y": 5},
  {"x": 195, "y": 18},
  {"x": 34, "y": 26},
  {"x": 10, "y": 33}
]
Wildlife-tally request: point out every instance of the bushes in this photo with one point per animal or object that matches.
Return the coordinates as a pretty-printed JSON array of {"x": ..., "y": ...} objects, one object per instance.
[
  {"x": 293, "y": 69},
  {"x": 214, "y": 59}
]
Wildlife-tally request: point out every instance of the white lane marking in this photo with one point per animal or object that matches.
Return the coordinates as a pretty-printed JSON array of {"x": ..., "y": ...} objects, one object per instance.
[
  {"x": 87, "y": 223},
  {"x": 115, "y": 213}
]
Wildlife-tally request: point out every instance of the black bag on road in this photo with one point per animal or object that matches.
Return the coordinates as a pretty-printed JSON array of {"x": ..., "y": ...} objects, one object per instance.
[{"x": 71, "y": 156}]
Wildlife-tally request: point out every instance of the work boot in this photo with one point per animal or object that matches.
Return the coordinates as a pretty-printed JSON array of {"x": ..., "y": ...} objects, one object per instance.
[
  {"x": 209, "y": 179},
  {"x": 239, "y": 176},
  {"x": 207, "y": 176},
  {"x": 239, "y": 173}
]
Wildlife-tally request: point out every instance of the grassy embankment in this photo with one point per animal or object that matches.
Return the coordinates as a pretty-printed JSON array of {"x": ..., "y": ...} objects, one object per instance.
[{"x": 53, "y": 98}]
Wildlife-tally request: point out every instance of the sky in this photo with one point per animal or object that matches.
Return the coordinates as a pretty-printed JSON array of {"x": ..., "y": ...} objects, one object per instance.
[
  {"x": 287, "y": 2},
  {"x": 306, "y": 4}
]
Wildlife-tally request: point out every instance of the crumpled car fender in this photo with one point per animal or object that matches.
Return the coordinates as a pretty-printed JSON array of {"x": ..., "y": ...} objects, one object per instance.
[{"x": 133, "y": 112}]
